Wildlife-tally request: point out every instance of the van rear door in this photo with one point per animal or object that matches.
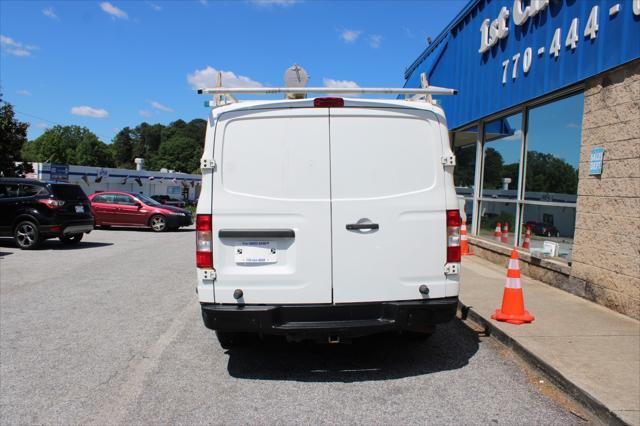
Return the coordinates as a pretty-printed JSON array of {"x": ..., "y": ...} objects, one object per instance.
[
  {"x": 271, "y": 206},
  {"x": 388, "y": 204}
]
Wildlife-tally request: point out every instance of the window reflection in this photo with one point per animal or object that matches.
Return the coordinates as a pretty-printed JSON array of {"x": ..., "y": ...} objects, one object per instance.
[
  {"x": 464, "y": 148},
  {"x": 553, "y": 150},
  {"x": 503, "y": 140},
  {"x": 498, "y": 221}
]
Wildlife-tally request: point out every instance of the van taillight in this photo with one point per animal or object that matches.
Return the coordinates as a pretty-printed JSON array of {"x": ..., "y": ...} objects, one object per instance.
[
  {"x": 328, "y": 102},
  {"x": 204, "y": 241},
  {"x": 453, "y": 235}
]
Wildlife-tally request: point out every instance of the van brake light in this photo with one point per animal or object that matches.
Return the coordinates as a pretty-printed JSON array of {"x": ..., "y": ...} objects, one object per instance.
[
  {"x": 328, "y": 102},
  {"x": 204, "y": 241},
  {"x": 453, "y": 236}
]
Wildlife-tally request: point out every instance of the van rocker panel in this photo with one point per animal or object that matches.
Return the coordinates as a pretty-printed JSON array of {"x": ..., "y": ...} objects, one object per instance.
[{"x": 346, "y": 320}]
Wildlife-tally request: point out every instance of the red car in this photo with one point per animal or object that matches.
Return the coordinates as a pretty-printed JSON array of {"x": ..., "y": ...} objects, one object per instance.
[{"x": 137, "y": 210}]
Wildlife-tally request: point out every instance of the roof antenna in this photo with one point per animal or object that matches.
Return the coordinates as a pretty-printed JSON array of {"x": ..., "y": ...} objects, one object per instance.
[{"x": 429, "y": 41}]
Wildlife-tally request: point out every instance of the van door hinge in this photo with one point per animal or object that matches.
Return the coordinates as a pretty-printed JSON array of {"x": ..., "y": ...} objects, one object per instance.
[
  {"x": 209, "y": 274},
  {"x": 449, "y": 160},
  {"x": 451, "y": 268},
  {"x": 207, "y": 164}
]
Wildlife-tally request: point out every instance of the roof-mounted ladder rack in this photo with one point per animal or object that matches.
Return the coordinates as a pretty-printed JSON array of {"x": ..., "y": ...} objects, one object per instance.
[{"x": 425, "y": 92}]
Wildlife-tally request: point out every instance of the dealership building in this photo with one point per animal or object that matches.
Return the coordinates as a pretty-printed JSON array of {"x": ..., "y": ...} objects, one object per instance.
[
  {"x": 546, "y": 131},
  {"x": 180, "y": 186}
]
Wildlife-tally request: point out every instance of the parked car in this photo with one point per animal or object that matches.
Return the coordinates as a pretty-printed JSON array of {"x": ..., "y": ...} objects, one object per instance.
[
  {"x": 32, "y": 211},
  {"x": 168, "y": 201},
  {"x": 327, "y": 219},
  {"x": 544, "y": 229},
  {"x": 136, "y": 210}
]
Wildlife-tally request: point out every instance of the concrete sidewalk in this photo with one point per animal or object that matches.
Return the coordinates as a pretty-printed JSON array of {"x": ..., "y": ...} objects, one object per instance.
[{"x": 590, "y": 351}]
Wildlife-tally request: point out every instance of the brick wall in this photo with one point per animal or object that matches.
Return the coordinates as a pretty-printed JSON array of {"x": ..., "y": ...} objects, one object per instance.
[{"x": 606, "y": 248}]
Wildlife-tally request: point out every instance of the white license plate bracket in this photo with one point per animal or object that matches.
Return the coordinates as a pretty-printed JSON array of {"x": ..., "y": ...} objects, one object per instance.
[{"x": 255, "y": 252}]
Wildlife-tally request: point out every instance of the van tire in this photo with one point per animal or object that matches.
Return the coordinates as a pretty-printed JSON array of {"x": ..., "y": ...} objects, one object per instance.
[
  {"x": 228, "y": 339},
  {"x": 417, "y": 336}
]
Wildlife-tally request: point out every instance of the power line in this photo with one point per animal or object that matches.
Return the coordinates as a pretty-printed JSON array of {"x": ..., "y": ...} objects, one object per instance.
[{"x": 46, "y": 120}]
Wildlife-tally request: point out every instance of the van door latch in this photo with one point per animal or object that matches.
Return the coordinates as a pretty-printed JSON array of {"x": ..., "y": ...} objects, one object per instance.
[
  {"x": 449, "y": 160},
  {"x": 207, "y": 164}
]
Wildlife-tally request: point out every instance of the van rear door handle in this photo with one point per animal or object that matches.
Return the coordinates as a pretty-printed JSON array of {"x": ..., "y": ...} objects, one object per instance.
[{"x": 358, "y": 226}]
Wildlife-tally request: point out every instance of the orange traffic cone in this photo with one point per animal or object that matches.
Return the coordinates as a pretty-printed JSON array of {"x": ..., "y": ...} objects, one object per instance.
[
  {"x": 527, "y": 239},
  {"x": 497, "y": 233},
  {"x": 505, "y": 233},
  {"x": 512, "y": 310},
  {"x": 464, "y": 242}
]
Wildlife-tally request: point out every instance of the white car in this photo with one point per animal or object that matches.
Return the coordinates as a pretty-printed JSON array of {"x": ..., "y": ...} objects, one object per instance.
[{"x": 327, "y": 219}]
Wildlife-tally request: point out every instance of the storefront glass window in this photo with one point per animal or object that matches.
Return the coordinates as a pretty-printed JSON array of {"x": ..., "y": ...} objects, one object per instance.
[
  {"x": 551, "y": 224},
  {"x": 501, "y": 157},
  {"x": 498, "y": 215},
  {"x": 551, "y": 170},
  {"x": 464, "y": 148},
  {"x": 553, "y": 150}
]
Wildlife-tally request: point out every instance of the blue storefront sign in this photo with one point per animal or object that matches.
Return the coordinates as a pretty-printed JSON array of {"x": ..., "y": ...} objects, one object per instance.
[
  {"x": 59, "y": 172},
  {"x": 595, "y": 161},
  {"x": 499, "y": 53}
]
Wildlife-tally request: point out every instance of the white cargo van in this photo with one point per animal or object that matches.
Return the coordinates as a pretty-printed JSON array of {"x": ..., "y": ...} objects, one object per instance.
[{"x": 327, "y": 219}]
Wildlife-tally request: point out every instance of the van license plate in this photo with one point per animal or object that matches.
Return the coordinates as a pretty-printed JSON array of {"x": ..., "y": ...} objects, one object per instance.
[
  {"x": 79, "y": 209},
  {"x": 256, "y": 252}
]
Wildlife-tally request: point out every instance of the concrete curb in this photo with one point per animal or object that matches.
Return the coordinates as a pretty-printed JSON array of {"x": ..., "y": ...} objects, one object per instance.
[{"x": 581, "y": 396}]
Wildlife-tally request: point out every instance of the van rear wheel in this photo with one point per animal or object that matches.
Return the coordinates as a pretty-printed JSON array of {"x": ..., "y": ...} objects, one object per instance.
[{"x": 229, "y": 339}]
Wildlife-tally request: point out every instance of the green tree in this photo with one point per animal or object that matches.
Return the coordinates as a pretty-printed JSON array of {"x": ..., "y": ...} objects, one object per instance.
[
  {"x": 13, "y": 135},
  {"x": 123, "y": 148},
  {"x": 548, "y": 173},
  {"x": 464, "y": 172},
  {"x": 492, "y": 169},
  {"x": 69, "y": 145},
  {"x": 93, "y": 152},
  {"x": 179, "y": 153}
]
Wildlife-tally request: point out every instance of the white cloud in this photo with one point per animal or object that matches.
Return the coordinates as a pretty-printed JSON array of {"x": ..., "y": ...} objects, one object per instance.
[
  {"x": 87, "y": 111},
  {"x": 206, "y": 77},
  {"x": 283, "y": 3},
  {"x": 49, "y": 13},
  {"x": 329, "y": 82},
  {"x": 408, "y": 32},
  {"x": 154, "y": 7},
  {"x": 204, "y": 2},
  {"x": 14, "y": 47},
  {"x": 24, "y": 92},
  {"x": 42, "y": 125},
  {"x": 375, "y": 40},
  {"x": 160, "y": 107},
  {"x": 572, "y": 126},
  {"x": 350, "y": 36},
  {"x": 145, "y": 113},
  {"x": 113, "y": 11}
]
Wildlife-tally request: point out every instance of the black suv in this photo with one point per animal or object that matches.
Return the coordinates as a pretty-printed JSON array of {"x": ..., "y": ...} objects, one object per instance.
[
  {"x": 168, "y": 201},
  {"x": 32, "y": 211}
]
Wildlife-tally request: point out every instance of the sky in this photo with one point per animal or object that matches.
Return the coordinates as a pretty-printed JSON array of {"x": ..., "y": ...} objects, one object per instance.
[{"x": 107, "y": 65}]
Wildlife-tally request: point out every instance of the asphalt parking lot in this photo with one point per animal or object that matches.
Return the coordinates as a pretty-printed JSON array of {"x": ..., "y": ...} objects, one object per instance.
[{"x": 109, "y": 332}]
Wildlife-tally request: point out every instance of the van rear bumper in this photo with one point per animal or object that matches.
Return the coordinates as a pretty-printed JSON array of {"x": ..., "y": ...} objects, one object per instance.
[{"x": 347, "y": 320}]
